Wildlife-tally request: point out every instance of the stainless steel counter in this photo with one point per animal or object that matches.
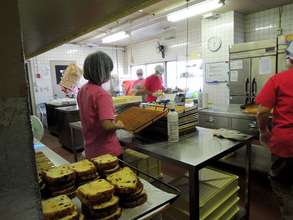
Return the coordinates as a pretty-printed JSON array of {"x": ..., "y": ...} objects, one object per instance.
[
  {"x": 232, "y": 111},
  {"x": 193, "y": 152}
]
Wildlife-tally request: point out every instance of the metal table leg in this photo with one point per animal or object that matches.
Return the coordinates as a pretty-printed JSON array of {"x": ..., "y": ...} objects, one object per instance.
[
  {"x": 247, "y": 180},
  {"x": 193, "y": 194},
  {"x": 72, "y": 143}
]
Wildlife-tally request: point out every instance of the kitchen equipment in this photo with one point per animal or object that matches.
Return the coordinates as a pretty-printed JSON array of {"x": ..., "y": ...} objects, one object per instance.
[{"x": 251, "y": 65}]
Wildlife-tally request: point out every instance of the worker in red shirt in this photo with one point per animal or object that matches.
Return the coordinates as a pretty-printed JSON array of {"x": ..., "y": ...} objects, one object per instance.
[
  {"x": 153, "y": 85},
  {"x": 277, "y": 95},
  {"x": 138, "y": 85}
]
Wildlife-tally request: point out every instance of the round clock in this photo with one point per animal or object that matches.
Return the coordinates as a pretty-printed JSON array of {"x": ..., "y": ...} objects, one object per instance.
[{"x": 214, "y": 44}]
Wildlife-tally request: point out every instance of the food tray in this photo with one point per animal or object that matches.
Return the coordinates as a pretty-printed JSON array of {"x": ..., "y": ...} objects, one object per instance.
[
  {"x": 135, "y": 119},
  {"x": 157, "y": 198}
]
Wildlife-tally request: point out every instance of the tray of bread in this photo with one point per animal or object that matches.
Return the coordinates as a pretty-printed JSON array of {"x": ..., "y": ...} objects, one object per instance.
[
  {"x": 102, "y": 188},
  {"x": 135, "y": 118}
]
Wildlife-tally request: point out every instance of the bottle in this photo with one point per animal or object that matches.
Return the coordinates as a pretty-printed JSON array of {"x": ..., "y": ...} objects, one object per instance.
[{"x": 173, "y": 127}]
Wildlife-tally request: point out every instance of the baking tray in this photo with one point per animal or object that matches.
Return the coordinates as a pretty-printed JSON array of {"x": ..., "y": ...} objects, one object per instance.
[
  {"x": 158, "y": 198},
  {"x": 135, "y": 119}
]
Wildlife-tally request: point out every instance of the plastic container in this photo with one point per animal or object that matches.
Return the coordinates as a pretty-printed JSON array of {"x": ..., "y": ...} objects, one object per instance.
[{"x": 173, "y": 125}]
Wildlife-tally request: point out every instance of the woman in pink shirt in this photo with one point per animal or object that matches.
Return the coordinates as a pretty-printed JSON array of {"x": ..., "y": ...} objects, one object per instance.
[{"x": 97, "y": 109}]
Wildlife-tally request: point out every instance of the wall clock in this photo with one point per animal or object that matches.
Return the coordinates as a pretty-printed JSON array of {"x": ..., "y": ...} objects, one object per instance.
[{"x": 214, "y": 44}]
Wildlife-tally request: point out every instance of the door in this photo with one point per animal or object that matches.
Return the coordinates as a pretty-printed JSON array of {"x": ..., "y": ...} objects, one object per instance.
[
  {"x": 262, "y": 69},
  {"x": 239, "y": 80}
]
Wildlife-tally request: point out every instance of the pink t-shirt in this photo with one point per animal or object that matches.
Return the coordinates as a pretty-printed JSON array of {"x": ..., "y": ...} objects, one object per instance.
[
  {"x": 153, "y": 83},
  {"x": 96, "y": 105}
]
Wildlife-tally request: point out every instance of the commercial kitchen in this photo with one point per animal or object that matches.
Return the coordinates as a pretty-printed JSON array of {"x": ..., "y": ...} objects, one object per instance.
[{"x": 187, "y": 100}]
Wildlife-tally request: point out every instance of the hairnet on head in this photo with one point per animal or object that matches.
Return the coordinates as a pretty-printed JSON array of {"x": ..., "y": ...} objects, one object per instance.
[
  {"x": 159, "y": 69},
  {"x": 289, "y": 51},
  {"x": 97, "y": 67},
  {"x": 139, "y": 72}
]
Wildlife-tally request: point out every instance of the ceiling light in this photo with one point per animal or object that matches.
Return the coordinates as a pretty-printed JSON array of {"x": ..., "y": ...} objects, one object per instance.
[
  {"x": 193, "y": 10},
  {"x": 115, "y": 37},
  {"x": 178, "y": 45},
  {"x": 98, "y": 36}
]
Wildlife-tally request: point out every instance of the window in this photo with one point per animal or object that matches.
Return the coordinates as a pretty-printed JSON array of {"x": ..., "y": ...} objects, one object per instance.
[
  {"x": 135, "y": 68},
  {"x": 185, "y": 75},
  {"x": 150, "y": 68}
]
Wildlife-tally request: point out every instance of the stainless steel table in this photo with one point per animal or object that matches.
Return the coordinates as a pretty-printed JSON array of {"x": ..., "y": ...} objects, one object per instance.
[{"x": 194, "y": 152}]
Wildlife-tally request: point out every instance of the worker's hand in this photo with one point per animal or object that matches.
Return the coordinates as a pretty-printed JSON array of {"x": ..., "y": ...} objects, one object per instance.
[
  {"x": 119, "y": 125},
  {"x": 264, "y": 137},
  {"x": 158, "y": 93}
]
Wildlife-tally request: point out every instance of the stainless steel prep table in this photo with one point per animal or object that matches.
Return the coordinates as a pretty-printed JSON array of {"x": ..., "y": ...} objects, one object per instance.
[
  {"x": 194, "y": 152},
  {"x": 158, "y": 200}
]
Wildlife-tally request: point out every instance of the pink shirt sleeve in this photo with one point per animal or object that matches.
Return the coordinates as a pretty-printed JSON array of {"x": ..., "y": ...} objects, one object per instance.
[
  {"x": 267, "y": 96},
  {"x": 104, "y": 107}
]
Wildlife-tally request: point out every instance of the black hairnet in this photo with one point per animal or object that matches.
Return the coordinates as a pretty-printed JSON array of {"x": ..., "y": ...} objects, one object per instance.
[{"x": 97, "y": 67}]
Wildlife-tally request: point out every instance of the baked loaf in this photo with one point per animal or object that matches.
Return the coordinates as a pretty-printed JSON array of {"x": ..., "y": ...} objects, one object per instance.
[
  {"x": 59, "y": 175},
  {"x": 83, "y": 168},
  {"x": 116, "y": 215},
  {"x": 58, "y": 207},
  {"x": 124, "y": 180},
  {"x": 60, "y": 180},
  {"x": 85, "y": 171},
  {"x": 131, "y": 203},
  {"x": 96, "y": 191},
  {"x": 106, "y": 162},
  {"x": 110, "y": 171},
  {"x": 102, "y": 210}
]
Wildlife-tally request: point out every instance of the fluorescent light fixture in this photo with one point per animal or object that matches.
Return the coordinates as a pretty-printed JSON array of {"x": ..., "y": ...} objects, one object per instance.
[
  {"x": 264, "y": 28},
  {"x": 99, "y": 36},
  {"x": 208, "y": 15},
  {"x": 115, "y": 37},
  {"x": 178, "y": 45},
  {"x": 193, "y": 10}
]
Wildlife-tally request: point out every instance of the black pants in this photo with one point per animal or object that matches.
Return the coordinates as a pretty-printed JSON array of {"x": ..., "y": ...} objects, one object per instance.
[{"x": 281, "y": 178}]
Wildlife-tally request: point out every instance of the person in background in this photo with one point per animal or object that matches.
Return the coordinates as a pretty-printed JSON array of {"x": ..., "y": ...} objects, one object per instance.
[
  {"x": 277, "y": 95},
  {"x": 96, "y": 108},
  {"x": 153, "y": 85},
  {"x": 138, "y": 85}
]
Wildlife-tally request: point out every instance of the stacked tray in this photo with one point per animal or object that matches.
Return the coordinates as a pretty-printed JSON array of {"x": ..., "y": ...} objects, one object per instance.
[
  {"x": 188, "y": 119},
  {"x": 218, "y": 194}
]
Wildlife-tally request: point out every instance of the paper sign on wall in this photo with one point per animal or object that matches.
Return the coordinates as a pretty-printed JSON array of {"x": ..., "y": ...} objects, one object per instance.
[
  {"x": 216, "y": 72},
  {"x": 236, "y": 65},
  {"x": 234, "y": 76},
  {"x": 265, "y": 66}
]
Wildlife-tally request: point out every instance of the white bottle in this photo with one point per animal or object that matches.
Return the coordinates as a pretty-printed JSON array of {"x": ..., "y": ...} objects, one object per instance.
[{"x": 173, "y": 126}]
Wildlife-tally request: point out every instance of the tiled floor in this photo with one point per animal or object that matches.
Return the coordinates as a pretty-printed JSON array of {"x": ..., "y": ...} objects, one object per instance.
[{"x": 263, "y": 203}]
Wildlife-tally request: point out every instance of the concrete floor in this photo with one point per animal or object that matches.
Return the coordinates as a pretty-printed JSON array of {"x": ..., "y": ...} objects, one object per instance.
[{"x": 263, "y": 202}]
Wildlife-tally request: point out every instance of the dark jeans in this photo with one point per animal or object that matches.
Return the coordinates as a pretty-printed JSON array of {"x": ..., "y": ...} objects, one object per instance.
[{"x": 281, "y": 178}]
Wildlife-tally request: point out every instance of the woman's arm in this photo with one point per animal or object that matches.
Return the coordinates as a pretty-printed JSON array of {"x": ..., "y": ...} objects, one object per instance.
[{"x": 110, "y": 125}]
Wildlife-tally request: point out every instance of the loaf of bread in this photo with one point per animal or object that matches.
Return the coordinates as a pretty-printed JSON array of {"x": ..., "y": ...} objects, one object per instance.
[
  {"x": 116, "y": 215},
  {"x": 106, "y": 162},
  {"x": 57, "y": 207},
  {"x": 134, "y": 202},
  {"x": 95, "y": 191},
  {"x": 73, "y": 216},
  {"x": 60, "y": 174},
  {"x": 84, "y": 168},
  {"x": 102, "y": 210},
  {"x": 124, "y": 180}
]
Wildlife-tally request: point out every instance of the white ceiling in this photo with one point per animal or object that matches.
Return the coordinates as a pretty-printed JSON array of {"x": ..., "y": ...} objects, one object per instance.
[{"x": 152, "y": 22}]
